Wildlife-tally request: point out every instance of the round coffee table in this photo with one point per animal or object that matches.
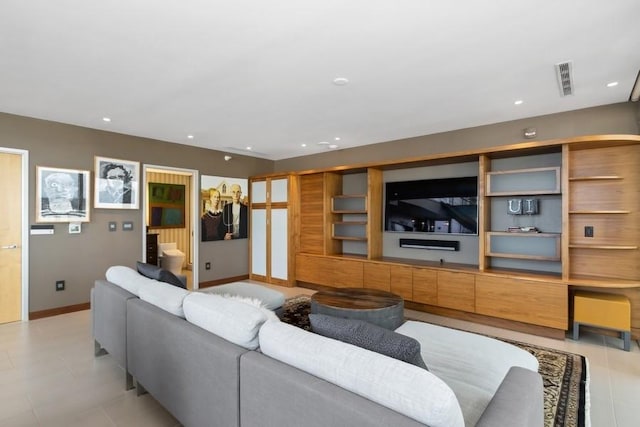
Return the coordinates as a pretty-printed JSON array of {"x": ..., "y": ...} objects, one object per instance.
[{"x": 371, "y": 305}]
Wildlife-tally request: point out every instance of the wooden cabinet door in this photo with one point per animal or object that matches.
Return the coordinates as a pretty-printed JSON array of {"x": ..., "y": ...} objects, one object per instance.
[
  {"x": 457, "y": 290},
  {"x": 538, "y": 303},
  {"x": 377, "y": 276},
  {"x": 347, "y": 273},
  {"x": 314, "y": 269},
  {"x": 425, "y": 286},
  {"x": 402, "y": 282}
]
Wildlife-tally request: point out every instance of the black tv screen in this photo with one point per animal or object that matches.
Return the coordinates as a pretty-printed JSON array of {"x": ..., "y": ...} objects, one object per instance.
[{"x": 447, "y": 205}]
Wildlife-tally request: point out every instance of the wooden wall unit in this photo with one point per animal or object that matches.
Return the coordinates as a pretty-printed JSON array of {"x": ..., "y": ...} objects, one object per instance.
[{"x": 594, "y": 184}]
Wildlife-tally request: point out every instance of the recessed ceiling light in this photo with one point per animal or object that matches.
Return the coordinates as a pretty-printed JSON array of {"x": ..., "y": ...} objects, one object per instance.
[
  {"x": 106, "y": 119},
  {"x": 190, "y": 136},
  {"x": 337, "y": 138},
  {"x": 323, "y": 143},
  {"x": 340, "y": 81},
  {"x": 332, "y": 146},
  {"x": 518, "y": 102},
  {"x": 612, "y": 84},
  {"x": 303, "y": 145},
  {"x": 249, "y": 148}
]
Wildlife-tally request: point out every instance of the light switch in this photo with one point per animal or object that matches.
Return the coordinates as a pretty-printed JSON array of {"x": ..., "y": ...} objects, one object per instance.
[{"x": 113, "y": 226}]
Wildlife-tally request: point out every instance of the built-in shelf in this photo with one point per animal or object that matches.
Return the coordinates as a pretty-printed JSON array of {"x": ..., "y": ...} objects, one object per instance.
[
  {"x": 349, "y": 211},
  {"x": 354, "y": 239},
  {"x": 538, "y": 246},
  {"x": 606, "y": 247},
  {"x": 524, "y": 182},
  {"x": 350, "y": 223},
  {"x": 595, "y": 178},
  {"x": 599, "y": 212}
]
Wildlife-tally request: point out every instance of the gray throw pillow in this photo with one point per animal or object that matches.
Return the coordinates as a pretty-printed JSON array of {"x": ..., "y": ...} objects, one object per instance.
[
  {"x": 154, "y": 272},
  {"x": 369, "y": 336}
]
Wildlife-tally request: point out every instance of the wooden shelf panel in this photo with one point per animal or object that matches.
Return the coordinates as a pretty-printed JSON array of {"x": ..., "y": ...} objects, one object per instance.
[
  {"x": 606, "y": 247},
  {"x": 350, "y": 223},
  {"x": 349, "y": 211},
  {"x": 350, "y": 238},
  {"x": 594, "y": 178},
  {"x": 350, "y": 196},
  {"x": 600, "y": 212},
  {"x": 524, "y": 234},
  {"x": 524, "y": 256}
]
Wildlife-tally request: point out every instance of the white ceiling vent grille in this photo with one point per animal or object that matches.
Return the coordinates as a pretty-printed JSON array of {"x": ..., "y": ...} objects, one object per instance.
[{"x": 564, "y": 72}]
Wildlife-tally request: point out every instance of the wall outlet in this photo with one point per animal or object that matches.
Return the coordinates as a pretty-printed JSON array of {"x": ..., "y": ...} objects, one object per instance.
[
  {"x": 207, "y": 266},
  {"x": 59, "y": 285},
  {"x": 588, "y": 231}
]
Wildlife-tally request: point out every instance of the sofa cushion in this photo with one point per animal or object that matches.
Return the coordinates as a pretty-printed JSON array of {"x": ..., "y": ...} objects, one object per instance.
[
  {"x": 402, "y": 387},
  {"x": 127, "y": 278},
  {"x": 165, "y": 296},
  {"x": 229, "y": 318},
  {"x": 157, "y": 273},
  {"x": 369, "y": 336},
  {"x": 472, "y": 365}
]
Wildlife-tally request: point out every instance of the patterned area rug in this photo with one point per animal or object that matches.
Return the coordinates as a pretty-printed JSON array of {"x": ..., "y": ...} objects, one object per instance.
[{"x": 564, "y": 374}]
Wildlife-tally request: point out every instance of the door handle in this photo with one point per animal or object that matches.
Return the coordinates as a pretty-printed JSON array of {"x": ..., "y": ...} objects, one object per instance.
[{"x": 14, "y": 246}]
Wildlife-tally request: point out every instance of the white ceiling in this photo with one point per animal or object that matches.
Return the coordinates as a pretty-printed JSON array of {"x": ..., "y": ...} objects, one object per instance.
[{"x": 260, "y": 73}]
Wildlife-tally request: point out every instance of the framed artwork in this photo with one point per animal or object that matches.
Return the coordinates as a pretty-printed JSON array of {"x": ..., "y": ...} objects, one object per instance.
[
  {"x": 224, "y": 208},
  {"x": 166, "y": 205},
  {"x": 62, "y": 195},
  {"x": 116, "y": 183}
]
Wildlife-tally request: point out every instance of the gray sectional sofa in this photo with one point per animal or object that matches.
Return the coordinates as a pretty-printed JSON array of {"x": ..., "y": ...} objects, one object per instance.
[{"x": 205, "y": 380}]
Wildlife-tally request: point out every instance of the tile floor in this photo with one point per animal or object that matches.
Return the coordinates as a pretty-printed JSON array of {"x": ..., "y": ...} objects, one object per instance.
[{"x": 49, "y": 377}]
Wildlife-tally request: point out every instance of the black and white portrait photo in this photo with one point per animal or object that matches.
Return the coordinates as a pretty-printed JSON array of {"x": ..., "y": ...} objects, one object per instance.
[
  {"x": 116, "y": 184},
  {"x": 62, "y": 195}
]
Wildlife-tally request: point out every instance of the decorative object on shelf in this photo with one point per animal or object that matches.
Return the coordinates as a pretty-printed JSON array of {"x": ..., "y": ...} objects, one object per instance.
[
  {"x": 515, "y": 207},
  {"x": 523, "y": 230},
  {"x": 62, "y": 195},
  {"x": 116, "y": 183},
  {"x": 530, "y": 206}
]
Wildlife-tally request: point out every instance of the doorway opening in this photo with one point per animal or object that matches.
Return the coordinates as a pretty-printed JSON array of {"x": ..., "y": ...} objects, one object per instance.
[{"x": 171, "y": 215}]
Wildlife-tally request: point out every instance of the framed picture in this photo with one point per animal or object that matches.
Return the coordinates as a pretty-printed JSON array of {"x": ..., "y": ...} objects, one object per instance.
[
  {"x": 166, "y": 205},
  {"x": 62, "y": 195},
  {"x": 224, "y": 208},
  {"x": 116, "y": 183}
]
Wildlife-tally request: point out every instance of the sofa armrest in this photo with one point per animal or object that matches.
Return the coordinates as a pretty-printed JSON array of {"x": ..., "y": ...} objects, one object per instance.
[{"x": 519, "y": 397}]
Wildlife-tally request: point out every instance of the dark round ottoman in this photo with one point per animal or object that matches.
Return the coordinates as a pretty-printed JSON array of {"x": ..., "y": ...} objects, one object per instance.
[{"x": 371, "y": 305}]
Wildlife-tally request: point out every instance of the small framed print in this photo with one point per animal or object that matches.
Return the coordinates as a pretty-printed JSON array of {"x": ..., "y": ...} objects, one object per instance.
[
  {"x": 62, "y": 195},
  {"x": 75, "y": 227},
  {"x": 116, "y": 183}
]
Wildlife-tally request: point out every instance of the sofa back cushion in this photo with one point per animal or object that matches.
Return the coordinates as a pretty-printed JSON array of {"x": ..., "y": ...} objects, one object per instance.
[
  {"x": 402, "y": 387},
  {"x": 127, "y": 278},
  {"x": 230, "y": 318},
  {"x": 158, "y": 273},
  {"x": 165, "y": 296}
]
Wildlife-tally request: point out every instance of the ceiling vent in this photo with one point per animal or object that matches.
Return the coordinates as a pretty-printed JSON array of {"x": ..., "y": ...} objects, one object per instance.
[{"x": 564, "y": 72}]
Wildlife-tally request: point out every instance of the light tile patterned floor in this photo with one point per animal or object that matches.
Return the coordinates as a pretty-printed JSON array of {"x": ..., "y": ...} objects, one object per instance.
[{"x": 49, "y": 376}]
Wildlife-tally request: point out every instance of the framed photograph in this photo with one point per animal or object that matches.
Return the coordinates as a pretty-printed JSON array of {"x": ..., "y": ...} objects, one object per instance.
[
  {"x": 224, "y": 211},
  {"x": 166, "y": 205},
  {"x": 116, "y": 183},
  {"x": 62, "y": 195}
]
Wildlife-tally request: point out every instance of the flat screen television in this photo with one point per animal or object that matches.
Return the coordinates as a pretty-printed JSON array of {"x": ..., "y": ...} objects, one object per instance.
[{"x": 444, "y": 206}]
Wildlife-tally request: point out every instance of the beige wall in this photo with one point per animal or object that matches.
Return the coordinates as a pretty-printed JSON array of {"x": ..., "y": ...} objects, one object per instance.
[
  {"x": 80, "y": 259},
  {"x": 620, "y": 118}
]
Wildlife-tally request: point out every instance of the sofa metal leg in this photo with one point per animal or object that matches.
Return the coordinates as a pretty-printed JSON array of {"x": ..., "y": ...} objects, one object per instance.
[
  {"x": 626, "y": 337},
  {"x": 129, "y": 381},
  {"x": 97, "y": 349},
  {"x": 140, "y": 390},
  {"x": 576, "y": 331}
]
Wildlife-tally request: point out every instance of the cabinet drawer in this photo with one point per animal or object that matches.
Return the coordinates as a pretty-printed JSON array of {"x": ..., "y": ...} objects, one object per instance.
[
  {"x": 347, "y": 273},
  {"x": 402, "y": 282},
  {"x": 314, "y": 269},
  {"x": 457, "y": 290}
]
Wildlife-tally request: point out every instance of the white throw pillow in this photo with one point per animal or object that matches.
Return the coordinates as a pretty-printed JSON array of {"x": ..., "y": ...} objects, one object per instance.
[
  {"x": 397, "y": 385},
  {"x": 127, "y": 278},
  {"x": 229, "y": 318},
  {"x": 164, "y": 296}
]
